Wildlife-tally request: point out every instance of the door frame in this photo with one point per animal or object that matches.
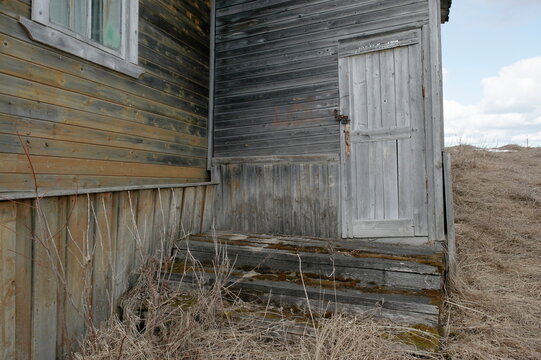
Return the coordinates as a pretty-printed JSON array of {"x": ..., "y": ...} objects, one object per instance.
[{"x": 353, "y": 47}]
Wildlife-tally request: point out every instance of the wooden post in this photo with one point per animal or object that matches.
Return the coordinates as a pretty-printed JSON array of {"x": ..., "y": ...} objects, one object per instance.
[
  {"x": 210, "y": 126},
  {"x": 450, "y": 220}
]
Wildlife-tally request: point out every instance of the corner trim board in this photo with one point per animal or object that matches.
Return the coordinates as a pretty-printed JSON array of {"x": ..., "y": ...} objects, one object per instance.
[{"x": 212, "y": 71}]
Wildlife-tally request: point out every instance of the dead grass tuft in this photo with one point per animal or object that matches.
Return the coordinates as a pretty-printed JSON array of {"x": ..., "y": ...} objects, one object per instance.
[
  {"x": 162, "y": 322},
  {"x": 496, "y": 308}
]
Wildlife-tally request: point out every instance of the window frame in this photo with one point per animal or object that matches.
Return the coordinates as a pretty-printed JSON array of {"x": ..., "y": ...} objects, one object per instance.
[{"x": 41, "y": 29}]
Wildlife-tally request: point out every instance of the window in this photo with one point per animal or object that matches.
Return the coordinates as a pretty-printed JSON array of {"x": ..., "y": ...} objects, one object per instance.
[{"x": 102, "y": 31}]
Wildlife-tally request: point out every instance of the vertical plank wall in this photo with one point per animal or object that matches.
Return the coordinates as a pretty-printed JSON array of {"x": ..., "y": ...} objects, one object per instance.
[
  {"x": 292, "y": 195},
  {"x": 86, "y": 126},
  {"x": 65, "y": 260}
]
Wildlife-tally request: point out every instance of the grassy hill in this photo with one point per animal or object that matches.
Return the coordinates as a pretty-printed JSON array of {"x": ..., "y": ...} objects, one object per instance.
[{"x": 496, "y": 308}]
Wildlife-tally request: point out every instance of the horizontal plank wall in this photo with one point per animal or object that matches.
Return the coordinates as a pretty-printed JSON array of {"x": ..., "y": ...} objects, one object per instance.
[
  {"x": 85, "y": 126},
  {"x": 65, "y": 261},
  {"x": 277, "y": 69},
  {"x": 293, "y": 195}
]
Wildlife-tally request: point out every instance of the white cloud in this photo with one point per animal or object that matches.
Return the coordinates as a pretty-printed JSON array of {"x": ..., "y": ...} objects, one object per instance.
[{"x": 509, "y": 112}]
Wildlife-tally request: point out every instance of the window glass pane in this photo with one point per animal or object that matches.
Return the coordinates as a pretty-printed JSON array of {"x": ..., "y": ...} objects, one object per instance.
[
  {"x": 79, "y": 16},
  {"x": 59, "y": 12},
  {"x": 106, "y": 22},
  {"x": 72, "y": 14}
]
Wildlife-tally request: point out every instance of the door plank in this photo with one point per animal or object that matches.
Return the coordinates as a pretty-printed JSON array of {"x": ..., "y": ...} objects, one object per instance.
[
  {"x": 360, "y": 153},
  {"x": 346, "y": 178},
  {"x": 376, "y": 149},
  {"x": 388, "y": 120},
  {"x": 403, "y": 120},
  {"x": 420, "y": 196}
]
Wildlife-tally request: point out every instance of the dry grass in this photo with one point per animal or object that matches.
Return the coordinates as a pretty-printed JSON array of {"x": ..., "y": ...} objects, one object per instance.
[
  {"x": 160, "y": 322},
  {"x": 496, "y": 308}
]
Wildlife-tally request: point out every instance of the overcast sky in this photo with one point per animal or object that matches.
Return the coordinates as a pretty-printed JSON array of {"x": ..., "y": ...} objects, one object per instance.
[{"x": 492, "y": 72}]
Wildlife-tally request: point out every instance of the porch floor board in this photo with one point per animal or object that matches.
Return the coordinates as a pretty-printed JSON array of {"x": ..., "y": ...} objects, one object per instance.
[{"x": 401, "y": 283}]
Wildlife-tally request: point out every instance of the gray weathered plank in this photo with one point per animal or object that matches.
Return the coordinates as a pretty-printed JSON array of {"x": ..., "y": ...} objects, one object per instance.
[
  {"x": 44, "y": 279},
  {"x": 208, "y": 222},
  {"x": 23, "y": 281},
  {"x": 8, "y": 246},
  {"x": 198, "y": 209},
  {"x": 436, "y": 114},
  {"x": 419, "y": 147},
  {"x": 126, "y": 242},
  {"x": 450, "y": 220},
  {"x": 79, "y": 247},
  {"x": 105, "y": 213},
  {"x": 186, "y": 222},
  {"x": 274, "y": 255},
  {"x": 145, "y": 213},
  {"x": 389, "y": 158}
]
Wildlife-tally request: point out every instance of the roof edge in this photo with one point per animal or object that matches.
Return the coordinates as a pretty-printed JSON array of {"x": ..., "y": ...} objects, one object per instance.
[{"x": 445, "y": 10}]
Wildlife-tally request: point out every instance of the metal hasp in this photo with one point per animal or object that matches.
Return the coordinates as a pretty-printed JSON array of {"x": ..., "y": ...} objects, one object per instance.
[
  {"x": 343, "y": 119},
  {"x": 346, "y": 121}
]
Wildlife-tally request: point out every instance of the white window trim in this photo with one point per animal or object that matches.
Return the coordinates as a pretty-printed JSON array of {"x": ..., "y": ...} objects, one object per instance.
[{"x": 125, "y": 60}]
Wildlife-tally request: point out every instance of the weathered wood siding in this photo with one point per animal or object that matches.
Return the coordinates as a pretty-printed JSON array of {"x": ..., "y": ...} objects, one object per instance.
[
  {"x": 86, "y": 126},
  {"x": 277, "y": 69},
  {"x": 294, "y": 195},
  {"x": 277, "y": 80},
  {"x": 66, "y": 260}
]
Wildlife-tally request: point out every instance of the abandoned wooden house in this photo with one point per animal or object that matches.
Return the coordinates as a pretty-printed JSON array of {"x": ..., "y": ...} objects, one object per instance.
[{"x": 307, "y": 133}]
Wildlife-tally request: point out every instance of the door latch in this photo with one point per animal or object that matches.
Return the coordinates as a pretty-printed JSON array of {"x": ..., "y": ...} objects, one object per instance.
[
  {"x": 343, "y": 119},
  {"x": 346, "y": 121}
]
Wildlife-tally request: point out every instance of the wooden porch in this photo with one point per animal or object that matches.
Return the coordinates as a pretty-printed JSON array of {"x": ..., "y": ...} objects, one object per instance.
[{"x": 399, "y": 282}]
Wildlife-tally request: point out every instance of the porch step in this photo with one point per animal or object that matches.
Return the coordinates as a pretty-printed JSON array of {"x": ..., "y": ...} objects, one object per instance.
[{"x": 402, "y": 283}]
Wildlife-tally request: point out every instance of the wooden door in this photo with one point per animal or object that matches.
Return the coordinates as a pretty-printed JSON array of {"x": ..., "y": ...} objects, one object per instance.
[{"x": 383, "y": 147}]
